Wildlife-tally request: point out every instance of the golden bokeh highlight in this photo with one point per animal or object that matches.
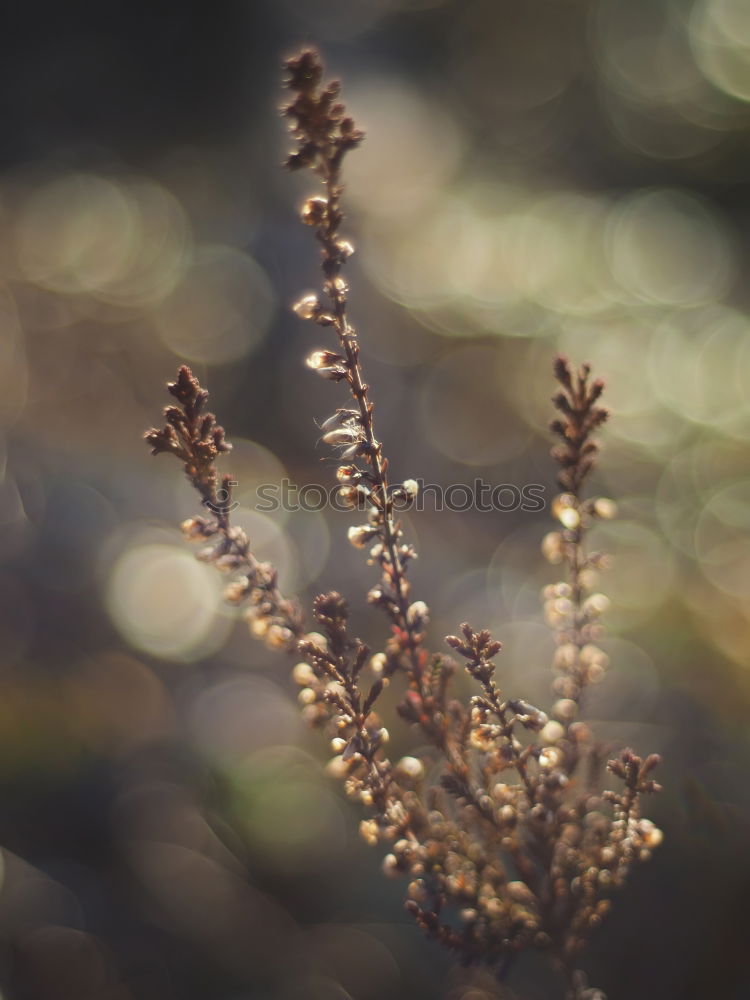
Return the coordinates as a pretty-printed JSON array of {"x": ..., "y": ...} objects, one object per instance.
[
  {"x": 220, "y": 310},
  {"x": 720, "y": 35},
  {"x": 123, "y": 241},
  {"x": 668, "y": 247},
  {"x": 166, "y": 603}
]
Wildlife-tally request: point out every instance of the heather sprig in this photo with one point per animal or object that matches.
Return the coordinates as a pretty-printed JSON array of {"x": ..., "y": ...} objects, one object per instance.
[
  {"x": 324, "y": 133},
  {"x": 572, "y": 607},
  {"x": 192, "y": 435},
  {"x": 501, "y": 826}
]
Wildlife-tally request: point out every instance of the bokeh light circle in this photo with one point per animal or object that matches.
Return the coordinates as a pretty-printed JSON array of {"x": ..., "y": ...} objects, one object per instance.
[{"x": 165, "y": 602}]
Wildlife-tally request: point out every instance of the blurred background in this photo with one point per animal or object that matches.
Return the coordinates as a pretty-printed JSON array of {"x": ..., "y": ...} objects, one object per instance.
[{"x": 551, "y": 175}]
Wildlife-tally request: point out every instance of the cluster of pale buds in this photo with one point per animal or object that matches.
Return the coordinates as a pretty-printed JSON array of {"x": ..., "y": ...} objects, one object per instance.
[
  {"x": 227, "y": 552},
  {"x": 574, "y": 515},
  {"x": 198, "y": 529},
  {"x": 561, "y": 612}
]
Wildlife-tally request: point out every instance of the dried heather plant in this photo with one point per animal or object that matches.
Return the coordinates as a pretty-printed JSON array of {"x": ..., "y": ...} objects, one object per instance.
[{"x": 503, "y": 832}]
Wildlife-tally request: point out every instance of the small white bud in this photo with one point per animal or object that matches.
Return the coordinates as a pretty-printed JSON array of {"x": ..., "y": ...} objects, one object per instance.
[
  {"x": 549, "y": 758},
  {"x": 337, "y": 767},
  {"x": 303, "y": 674},
  {"x": 552, "y": 732},
  {"x": 569, "y": 517},
  {"x": 390, "y": 865},
  {"x": 597, "y": 604},
  {"x": 417, "y": 613},
  {"x": 360, "y": 535},
  {"x": 605, "y": 508},
  {"x": 377, "y": 663},
  {"x": 410, "y": 767},
  {"x": 565, "y": 501},
  {"x": 565, "y": 709},
  {"x": 306, "y": 696},
  {"x": 552, "y": 547}
]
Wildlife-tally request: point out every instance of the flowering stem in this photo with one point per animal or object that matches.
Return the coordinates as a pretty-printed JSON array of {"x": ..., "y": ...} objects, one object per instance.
[
  {"x": 324, "y": 134},
  {"x": 359, "y": 389}
]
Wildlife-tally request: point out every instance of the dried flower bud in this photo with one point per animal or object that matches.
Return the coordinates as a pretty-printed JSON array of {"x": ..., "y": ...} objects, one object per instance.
[
  {"x": 345, "y": 248},
  {"x": 553, "y": 549},
  {"x": 410, "y": 767},
  {"x": 348, "y": 474},
  {"x": 508, "y": 814},
  {"x": 569, "y": 517},
  {"x": 325, "y": 319},
  {"x": 278, "y": 636},
  {"x": 502, "y": 793},
  {"x": 417, "y": 613},
  {"x": 528, "y": 715},
  {"x": 350, "y": 496},
  {"x": 605, "y": 508},
  {"x": 481, "y": 739},
  {"x": 368, "y": 831},
  {"x": 565, "y": 709},
  {"x": 303, "y": 674},
  {"x": 563, "y": 502},
  {"x": 652, "y": 835},
  {"x": 195, "y": 529},
  {"x": 390, "y": 865},
  {"x": 307, "y": 307},
  {"x": 417, "y": 891},
  {"x": 377, "y": 663},
  {"x": 342, "y": 435},
  {"x": 519, "y": 892},
  {"x": 360, "y": 535},
  {"x": 328, "y": 364},
  {"x": 550, "y": 757},
  {"x": 314, "y": 211},
  {"x": 552, "y": 732},
  {"x": 259, "y": 625},
  {"x": 593, "y": 654},
  {"x": 337, "y": 767},
  {"x": 317, "y": 641},
  {"x": 237, "y": 591},
  {"x": 596, "y": 605},
  {"x": 307, "y": 696}
]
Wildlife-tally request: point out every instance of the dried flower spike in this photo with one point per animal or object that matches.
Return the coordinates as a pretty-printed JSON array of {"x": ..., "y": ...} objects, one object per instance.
[
  {"x": 192, "y": 435},
  {"x": 323, "y": 135}
]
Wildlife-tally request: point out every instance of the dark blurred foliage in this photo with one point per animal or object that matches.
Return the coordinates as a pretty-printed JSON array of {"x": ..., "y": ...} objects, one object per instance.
[{"x": 551, "y": 175}]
